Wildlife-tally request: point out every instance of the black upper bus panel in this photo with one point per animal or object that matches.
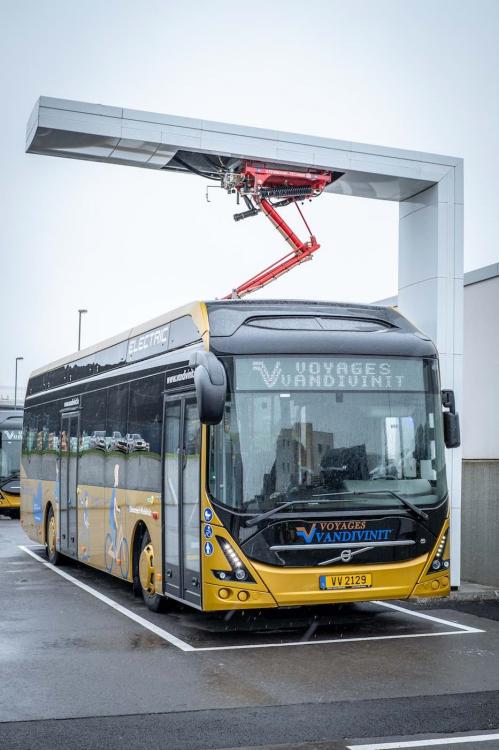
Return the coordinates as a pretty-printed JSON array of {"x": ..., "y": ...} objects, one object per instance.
[
  {"x": 173, "y": 335},
  {"x": 277, "y": 326}
]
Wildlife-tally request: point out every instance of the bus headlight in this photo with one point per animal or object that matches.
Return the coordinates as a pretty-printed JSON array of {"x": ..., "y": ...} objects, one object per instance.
[
  {"x": 239, "y": 571},
  {"x": 437, "y": 563}
]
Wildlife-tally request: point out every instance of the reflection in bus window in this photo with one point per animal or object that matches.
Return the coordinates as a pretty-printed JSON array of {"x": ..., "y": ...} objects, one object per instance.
[
  {"x": 91, "y": 467},
  {"x": 10, "y": 451},
  {"x": 143, "y": 439},
  {"x": 304, "y": 443}
]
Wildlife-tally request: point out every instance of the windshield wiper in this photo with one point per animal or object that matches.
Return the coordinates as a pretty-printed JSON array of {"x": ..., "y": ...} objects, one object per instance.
[
  {"x": 418, "y": 511},
  {"x": 351, "y": 493},
  {"x": 273, "y": 511}
]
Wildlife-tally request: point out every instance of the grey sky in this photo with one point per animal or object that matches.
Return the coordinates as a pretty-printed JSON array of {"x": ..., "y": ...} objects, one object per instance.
[{"x": 129, "y": 244}]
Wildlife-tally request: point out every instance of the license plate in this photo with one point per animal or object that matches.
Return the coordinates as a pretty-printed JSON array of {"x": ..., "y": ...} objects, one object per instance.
[{"x": 362, "y": 581}]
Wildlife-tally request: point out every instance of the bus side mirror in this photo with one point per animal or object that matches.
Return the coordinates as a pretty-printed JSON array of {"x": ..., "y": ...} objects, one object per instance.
[
  {"x": 210, "y": 381},
  {"x": 452, "y": 430}
]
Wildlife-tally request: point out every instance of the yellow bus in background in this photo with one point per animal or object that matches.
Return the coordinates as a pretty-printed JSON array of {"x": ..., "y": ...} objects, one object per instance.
[
  {"x": 247, "y": 454},
  {"x": 10, "y": 457}
]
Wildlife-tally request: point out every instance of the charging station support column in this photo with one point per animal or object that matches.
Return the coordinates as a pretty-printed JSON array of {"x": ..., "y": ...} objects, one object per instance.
[{"x": 431, "y": 295}]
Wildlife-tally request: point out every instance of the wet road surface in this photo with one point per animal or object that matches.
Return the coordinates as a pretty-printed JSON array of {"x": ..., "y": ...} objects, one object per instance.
[{"x": 84, "y": 664}]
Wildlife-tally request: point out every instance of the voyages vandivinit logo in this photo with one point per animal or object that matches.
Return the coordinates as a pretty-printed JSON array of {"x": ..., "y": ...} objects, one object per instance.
[{"x": 332, "y": 532}]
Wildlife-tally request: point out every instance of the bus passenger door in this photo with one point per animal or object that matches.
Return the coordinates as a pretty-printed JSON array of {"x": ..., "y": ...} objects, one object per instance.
[
  {"x": 68, "y": 478},
  {"x": 181, "y": 489}
]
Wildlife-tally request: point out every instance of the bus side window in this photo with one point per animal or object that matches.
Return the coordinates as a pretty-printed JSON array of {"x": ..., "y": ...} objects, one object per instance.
[
  {"x": 50, "y": 427},
  {"x": 116, "y": 430},
  {"x": 92, "y": 439},
  {"x": 145, "y": 417},
  {"x": 183, "y": 332}
]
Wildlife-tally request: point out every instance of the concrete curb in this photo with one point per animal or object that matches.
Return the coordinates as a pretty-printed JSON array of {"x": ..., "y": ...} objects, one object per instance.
[
  {"x": 483, "y": 594},
  {"x": 475, "y": 596}
]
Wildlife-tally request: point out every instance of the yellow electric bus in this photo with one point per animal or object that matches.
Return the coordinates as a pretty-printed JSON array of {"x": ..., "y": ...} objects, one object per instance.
[
  {"x": 236, "y": 454},
  {"x": 11, "y": 419}
]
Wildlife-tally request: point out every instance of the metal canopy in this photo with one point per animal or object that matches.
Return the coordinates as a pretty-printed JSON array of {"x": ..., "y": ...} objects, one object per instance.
[
  {"x": 95, "y": 132},
  {"x": 428, "y": 187}
]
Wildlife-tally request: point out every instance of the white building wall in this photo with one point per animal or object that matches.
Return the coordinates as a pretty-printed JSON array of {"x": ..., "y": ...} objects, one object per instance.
[
  {"x": 480, "y": 412},
  {"x": 478, "y": 406}
]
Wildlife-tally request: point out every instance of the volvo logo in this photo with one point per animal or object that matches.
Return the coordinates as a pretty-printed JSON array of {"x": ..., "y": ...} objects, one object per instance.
[{"x": 345, "y": 555}]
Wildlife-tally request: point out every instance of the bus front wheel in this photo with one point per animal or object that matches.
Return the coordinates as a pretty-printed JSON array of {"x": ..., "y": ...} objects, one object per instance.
[
  {"x": 53, "y": 555},
  {"x": 147, "y": 575}
]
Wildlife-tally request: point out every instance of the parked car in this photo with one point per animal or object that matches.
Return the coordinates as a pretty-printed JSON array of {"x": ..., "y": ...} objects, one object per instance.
[
  {"x": 136, "y": 442},
  {"x": 114, "y": 443},
  {"x": 98, "y": 440}
]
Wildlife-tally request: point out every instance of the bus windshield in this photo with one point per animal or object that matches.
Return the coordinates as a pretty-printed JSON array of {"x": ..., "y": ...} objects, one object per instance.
[
  {"x": 10, "y": 450},
  {"x": 311, "y": 428}
]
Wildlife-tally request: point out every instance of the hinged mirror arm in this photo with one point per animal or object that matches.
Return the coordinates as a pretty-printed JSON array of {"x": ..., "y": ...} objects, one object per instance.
[{"x": 449, "y": 400}]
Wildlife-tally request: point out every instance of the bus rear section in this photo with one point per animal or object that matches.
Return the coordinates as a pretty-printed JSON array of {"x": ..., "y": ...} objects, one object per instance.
[{"x": 10, "y": 457}]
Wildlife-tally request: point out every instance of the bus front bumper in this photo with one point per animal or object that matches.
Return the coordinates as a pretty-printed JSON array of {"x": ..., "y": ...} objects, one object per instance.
[{"x": 303, "y": 586}]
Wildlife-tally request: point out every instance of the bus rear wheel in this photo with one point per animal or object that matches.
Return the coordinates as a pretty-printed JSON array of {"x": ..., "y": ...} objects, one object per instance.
[
  {"x": 53, "y": 555},
  {"x": 147, "y": 575}
]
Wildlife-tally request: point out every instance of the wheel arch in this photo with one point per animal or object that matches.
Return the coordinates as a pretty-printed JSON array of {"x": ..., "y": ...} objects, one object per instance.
[
  {"x": 139, "y": 530},
  {"x": 47, "y": 508}
]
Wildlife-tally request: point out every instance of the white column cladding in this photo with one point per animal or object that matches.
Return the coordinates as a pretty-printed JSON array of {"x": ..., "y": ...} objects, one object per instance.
[{"x": 431, "y": 295}]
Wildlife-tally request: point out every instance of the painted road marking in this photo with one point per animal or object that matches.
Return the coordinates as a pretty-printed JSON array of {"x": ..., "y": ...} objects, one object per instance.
[
  {"x": 458, "y": 629},
  {"x": 423, "y": 616},
  {"x": 334, "y": 640},
  {"x": 427, "y": 743},
  {"x": 164, "y": 634}
]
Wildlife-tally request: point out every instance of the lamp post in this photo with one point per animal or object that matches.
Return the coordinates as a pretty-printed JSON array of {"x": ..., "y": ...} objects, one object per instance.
[
  {"x": 80, "y": 313},
  {"x": 18, "y": 359}
]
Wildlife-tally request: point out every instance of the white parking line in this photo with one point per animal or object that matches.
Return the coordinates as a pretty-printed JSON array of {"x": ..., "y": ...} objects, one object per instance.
[
  {"x": 427, "y": 743},
  {"x": 423, "y": 616},
  {"x": 458, "y": 629},
  {"x": 334, "y": 640},
  {"x": 123, "y": 610}
]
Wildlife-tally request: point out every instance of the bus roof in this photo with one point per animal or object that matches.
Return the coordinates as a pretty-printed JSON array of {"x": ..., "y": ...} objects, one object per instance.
[
  {"x": 192, "y": 308},
  {"x": 223, "y": 317}
]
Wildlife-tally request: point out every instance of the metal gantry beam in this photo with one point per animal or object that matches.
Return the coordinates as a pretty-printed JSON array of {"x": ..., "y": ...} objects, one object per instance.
[{"x": 114, "y": 135}]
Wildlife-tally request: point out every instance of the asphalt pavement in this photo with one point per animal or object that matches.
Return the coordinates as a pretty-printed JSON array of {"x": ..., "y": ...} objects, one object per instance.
[{"x": 83, "y": 664}]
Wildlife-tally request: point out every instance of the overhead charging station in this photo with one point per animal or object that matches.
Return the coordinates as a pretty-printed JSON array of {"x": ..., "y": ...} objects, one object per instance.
[{"x": 267, "y": 169}]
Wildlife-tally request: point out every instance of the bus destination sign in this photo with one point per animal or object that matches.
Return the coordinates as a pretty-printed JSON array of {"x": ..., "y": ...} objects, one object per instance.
[{"x": 329, "y": 373}]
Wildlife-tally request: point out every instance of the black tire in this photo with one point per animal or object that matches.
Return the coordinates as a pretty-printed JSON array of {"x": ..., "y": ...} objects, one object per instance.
[
  {"x": 53, "y": 556},
  {"x": 155, "y": 602}
]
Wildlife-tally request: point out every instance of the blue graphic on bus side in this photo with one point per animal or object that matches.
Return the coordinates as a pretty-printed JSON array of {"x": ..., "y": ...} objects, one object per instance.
[
  {"x": 208, "y": 531},
  {"x": 208, "y": 514},
  {"x": 208, "y": 548},
  {"x": 37, "y": 504}
]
